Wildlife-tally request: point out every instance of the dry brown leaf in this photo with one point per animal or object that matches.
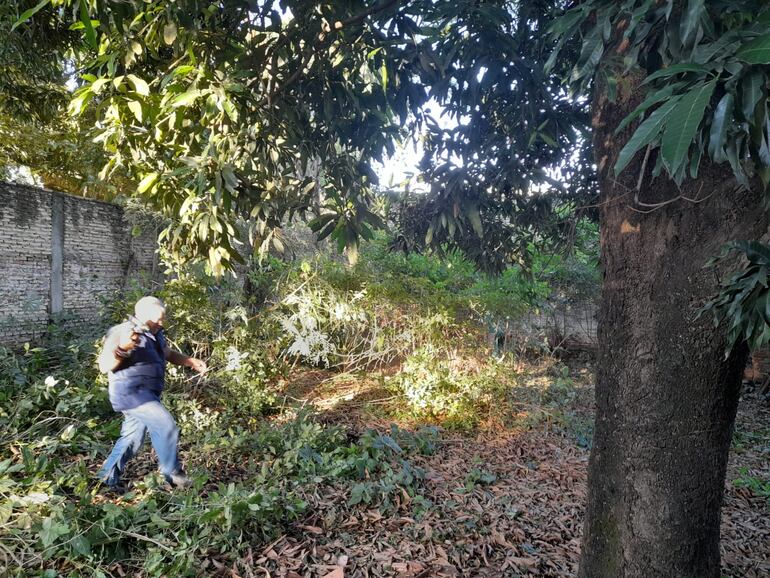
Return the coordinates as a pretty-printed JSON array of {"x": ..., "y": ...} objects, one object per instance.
[
  {"x": 352, "y": 521},
  {"x": 500, "y": 540},
  {"x": 336, "y": 573},
  {"x": 527, "y": 562}
]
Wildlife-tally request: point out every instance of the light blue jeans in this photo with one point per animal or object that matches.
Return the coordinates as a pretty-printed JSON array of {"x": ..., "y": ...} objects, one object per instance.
[{"x": 164, "y": 434}]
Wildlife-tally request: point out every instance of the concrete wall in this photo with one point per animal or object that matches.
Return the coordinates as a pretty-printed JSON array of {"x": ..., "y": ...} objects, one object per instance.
[
  {"x": 559, "y": 323},
  {"x": 59, "y": 255}
]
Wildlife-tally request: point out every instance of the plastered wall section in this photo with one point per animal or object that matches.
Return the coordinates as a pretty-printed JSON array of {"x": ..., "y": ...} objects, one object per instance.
[{"x": 60, "y": 256}]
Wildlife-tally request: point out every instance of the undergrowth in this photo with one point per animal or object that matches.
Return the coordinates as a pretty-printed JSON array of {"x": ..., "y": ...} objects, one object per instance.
[
  {"x": 425, "y": 321},
  {"x": 249, "y": 480}
]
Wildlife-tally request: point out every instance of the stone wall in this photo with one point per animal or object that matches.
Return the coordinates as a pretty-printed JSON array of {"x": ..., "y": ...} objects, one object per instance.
[{"x": 59, "y": 255}]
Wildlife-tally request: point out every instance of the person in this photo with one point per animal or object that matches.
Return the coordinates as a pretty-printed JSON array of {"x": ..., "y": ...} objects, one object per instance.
[{"x": 134, "y": 357}]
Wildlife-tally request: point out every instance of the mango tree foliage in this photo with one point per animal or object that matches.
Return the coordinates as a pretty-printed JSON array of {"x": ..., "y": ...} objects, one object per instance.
[
  {"x": 707, "y": 78},
  {"x": 224, "y": 109},
  {"x": 744, "y": 301},
  {"x": 33, "y": 63},
  {"x": 269, "y": 110},
  {"x": 516, "y": 146},
  {"x": 34, "y": 128}
]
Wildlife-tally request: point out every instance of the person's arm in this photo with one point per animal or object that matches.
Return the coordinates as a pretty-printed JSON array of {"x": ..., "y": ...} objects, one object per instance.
[
  {"x": 178, "y": 358},
  {"x": 117, "y": 346}
]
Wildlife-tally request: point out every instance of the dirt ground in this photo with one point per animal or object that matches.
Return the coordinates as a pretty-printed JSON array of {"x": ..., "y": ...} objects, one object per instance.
[{"x": 505, "y": 502}]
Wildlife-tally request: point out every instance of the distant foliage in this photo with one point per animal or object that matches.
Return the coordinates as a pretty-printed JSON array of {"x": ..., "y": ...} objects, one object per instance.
[{"x": 390, "y": 305}]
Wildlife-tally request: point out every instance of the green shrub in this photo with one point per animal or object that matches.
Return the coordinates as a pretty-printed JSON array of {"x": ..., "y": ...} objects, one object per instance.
[
  {"x": 436, "y": 389},
  {"x": 325, "y": 325},
  {"x": 757, "y": 486}
]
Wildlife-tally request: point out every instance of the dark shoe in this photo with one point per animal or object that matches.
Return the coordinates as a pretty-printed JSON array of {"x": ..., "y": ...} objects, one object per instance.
[
  {"x": 179, "y": 480},
  {"x": 118, "y": 488}
]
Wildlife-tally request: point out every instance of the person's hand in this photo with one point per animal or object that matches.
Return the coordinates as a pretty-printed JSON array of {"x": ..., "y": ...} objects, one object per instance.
[
  {"x": 197, "y": 364},
  {"x": 128, "y": 339}
]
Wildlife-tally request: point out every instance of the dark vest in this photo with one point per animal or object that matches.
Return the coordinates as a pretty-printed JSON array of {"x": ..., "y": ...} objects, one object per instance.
[{"x": 139, "y": 378}]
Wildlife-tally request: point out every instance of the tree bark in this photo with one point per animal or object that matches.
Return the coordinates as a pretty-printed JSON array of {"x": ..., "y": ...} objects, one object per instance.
[{"x": 666, "y": 395}]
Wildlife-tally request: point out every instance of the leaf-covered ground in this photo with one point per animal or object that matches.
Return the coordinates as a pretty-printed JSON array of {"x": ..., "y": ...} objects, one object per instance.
[{"x": 506, "y": 502}]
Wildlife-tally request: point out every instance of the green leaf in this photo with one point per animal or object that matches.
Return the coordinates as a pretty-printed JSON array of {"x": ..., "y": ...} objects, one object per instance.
[
  {"x": 691, "y": 22},
  {"x": 147, "y": 182},
  {"x": 373, "y": 219},
  {"x": 475, "y": 218},
  {"x": 683, "y": 124},
  {"x": 169, "y": 33},
  {"x": 384, "y": 75},
  {"x": 186, "y": 98},
  {"x": 656, "y": 97},
  {"x": 30, "y": 13},
  {"x": 358, "y": 494},
  {"x": 87, "y": 25},
  {"x": 645, "y": 134},
  {"x": 757, "y": 51},
  {"x": 51, "y": 531},
  {"x": 5, "y": 512},
  {"x": 548, "y": 139},
  {"x": 230, "y": 110},
  {"x": 731, "y": 151},
  {"x": 612, "y": 86},
  {"x": 80, "y": 26},
  {"x": 706, "y": 52},
  {"x": 722, "y": 118},
  {"x": 140, "y": 86},
  {"x": 136, "y": 108},
  {"x": 675, "y": 69},
  {"x": 182, "y": 70},
  {"x": 327, "y": 229},
  {"x": 79, "y": 101},
  {"x": 321, "y": 221},
  {"x": 567, "y": 21},
  {"x": 590, "y": 55},
  {"x": 81, "y": 545},
  {"x": 98, "y": 84},
  {"x": 752, "y": 88}
]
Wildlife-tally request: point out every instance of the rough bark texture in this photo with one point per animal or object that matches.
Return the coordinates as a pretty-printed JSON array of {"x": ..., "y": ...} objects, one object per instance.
[{"x": 666, "y": 397}]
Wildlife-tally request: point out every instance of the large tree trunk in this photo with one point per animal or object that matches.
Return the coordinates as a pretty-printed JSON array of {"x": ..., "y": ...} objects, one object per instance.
[{"x": 666, "y": 396}]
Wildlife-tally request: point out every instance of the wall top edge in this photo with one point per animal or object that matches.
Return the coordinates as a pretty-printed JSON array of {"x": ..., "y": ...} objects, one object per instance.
[{"x": 4, "y": 185}]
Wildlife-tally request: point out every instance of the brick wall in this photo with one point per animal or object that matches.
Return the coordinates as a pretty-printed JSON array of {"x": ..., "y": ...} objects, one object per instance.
[{"x": 59, "y": 254}]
